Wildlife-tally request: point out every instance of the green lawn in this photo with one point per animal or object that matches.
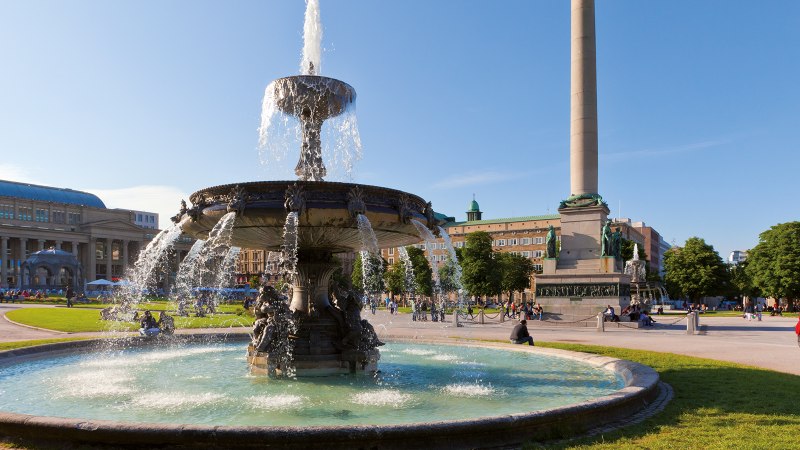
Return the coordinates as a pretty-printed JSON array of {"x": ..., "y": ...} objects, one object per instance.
[
  {"x": 21, "y": 344},
  {"x": 717, "y": 405},
  {"x": 88, "y": 319}
]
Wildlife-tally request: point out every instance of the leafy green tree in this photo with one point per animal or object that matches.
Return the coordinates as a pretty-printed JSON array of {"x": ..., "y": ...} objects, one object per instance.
[
  {"x": 740, "y": 283},
  {"x": 774, "y": 263},
  {"x": 423, "y": 274},
  {"x": 374, "y": 279},
  {"x": 694, "y": 270},
  {"x": 481, "y": 272},
  {"x": 515, "y": 272},
  {"x": 448, "y": 278},
  {"x": 395, "y": 278}
]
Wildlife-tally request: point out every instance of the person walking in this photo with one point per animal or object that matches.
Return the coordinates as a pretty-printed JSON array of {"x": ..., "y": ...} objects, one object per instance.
[
  {"x": 520, "y": 335},
  {"x": 797, "y": 329}
]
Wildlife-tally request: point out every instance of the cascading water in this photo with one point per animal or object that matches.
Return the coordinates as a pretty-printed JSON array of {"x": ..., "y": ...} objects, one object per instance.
[
  {"x": 430, "y": 242},
  {"x": 143, "y": 276},
  {"x": 409, "y": 268},
  {"x": 311, "y": 63},
  {"x": 369, "y": 254},
  {"x": 327, "y": 124},
  {"x": 453, "y": 262},
  {"x": 289, "y": 249},
  {"x": 184, "y": 280},
  {"x": 207, "y": 268}
]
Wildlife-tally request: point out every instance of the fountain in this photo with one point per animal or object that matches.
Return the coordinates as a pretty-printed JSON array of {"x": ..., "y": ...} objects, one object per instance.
[
  {"x": 311, "y": 220},
  {"x": 428, "y": 394}
]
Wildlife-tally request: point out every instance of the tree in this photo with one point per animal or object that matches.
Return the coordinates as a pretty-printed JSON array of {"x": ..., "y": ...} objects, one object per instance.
[
  {"x": 774, "y": 263},
  {"x": 423, "y": 274},
  {"x": 395, "y": 278},
  {"x": 481, "y": 274},
  {"x": 740, "y": 282},
  {"x": 448, "y": 278},
  {"x": 374, "y": 278},
  {"x": 694, "y": 270},
  {"x": 515, "y": 273}
]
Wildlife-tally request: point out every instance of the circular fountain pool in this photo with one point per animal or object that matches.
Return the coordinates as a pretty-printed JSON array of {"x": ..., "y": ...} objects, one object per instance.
[
  {"x": 136, "y": 394},
  {"x": 210, "y": 384}
]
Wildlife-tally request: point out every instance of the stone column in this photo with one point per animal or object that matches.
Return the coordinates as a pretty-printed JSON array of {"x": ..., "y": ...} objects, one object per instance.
[
  {"x": 41, "y": 244},
  {"x": 583, "y": 100},
  {"x": 91, "y": 260},
  {"x": 125, "y": 257},
  {"x": 4, "y": 261},
  {"x": 23, "y": 249},
  {"x": 75, "y": 248},
  {"x": 58, "y": 245},
  {"x": 108, "y": 255}
]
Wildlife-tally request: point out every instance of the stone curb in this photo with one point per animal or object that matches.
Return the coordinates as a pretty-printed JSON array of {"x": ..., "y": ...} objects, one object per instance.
[{"x": 641, "y": 389}]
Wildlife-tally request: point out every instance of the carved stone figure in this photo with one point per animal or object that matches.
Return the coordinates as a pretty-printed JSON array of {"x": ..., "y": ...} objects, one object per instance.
[
  {"x": 550, "y": 240},
  {"x": 404, "y": 209},
  {"x": 605, "y": 240},
  {"x": 430, "y": 217},
  {"x": 582, "y": 200},
  {"x": 295, "y": 200},
  {"x": 177, "y": 217},
  {"x": 616, "y": 243},
  {"x": 355, "y": 202},
  {"x": 238, "y": 200},
  {"x": 273, "y": 324}
]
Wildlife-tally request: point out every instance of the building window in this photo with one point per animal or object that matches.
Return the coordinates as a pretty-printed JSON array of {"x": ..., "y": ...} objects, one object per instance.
[
  {"x": 537, "y": 267},
  {"x": 25, "y": 214},
  {"x": 6, "y": 211},
  {"x": 100, "y": 248},
  {"x": 526, "y": 241},
  {"x": 73, "y": 218},
  {"x": 460, "y": 244},
  {"x": 59, "y": 217},
  {"x": 391, "y": 261},
  {"x": 391, "y": 251},
  {"x": 512, "y": 242},
  {"x": 538, "y": 240},
  {"x": 538, "y": 254},
  {"x": 526, "y": 254},
  {"x": 501, "y": 242},
  {"x": 42, "y": 215}
]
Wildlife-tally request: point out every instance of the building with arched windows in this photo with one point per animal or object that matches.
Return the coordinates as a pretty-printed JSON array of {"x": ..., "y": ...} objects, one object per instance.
[{"x": 103, "y": 241}]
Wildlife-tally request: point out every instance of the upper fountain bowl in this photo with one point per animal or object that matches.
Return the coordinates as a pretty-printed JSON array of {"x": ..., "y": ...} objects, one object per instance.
[
  {"x": 312, "y": 95},
  {"x": 327, "y": 213}
]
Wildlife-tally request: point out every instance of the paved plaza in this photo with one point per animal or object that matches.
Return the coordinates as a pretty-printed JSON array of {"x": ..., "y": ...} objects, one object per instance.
[{"x": 770, "y": 344}]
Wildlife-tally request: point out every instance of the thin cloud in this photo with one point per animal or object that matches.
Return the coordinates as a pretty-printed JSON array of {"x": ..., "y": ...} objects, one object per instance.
[
  {"x": 476, "y": 178},
  {"x": 651, "y": 152},
  {"x": 13, "y": 172},
  {"x": 164, "y": 200}
]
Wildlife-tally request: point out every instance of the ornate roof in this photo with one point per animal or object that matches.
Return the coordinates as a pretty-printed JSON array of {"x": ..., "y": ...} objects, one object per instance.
[
  {"x": 49, "y": 194},
  {"x": 473, "y": 206}
]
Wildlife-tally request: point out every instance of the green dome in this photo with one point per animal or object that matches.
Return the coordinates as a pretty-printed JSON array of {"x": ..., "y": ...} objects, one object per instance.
[{"x": 473, "y": 206}]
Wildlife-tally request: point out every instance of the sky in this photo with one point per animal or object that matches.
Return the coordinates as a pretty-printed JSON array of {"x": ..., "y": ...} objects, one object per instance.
[{"x": 145, "y": 102}]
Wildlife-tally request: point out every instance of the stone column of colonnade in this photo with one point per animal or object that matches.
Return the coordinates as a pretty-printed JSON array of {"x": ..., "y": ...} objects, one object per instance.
[
  {"x": 23, "y": 255},
  {"x": 125, "y": 257},
  {"x": 4, "y": 262},
  {"x": 583, "y": 100},
  {"x": 109, "y": 256},
  {"x": 41, "y": 244},
  {"x": 58, "y": 245},
  {"x": 91, "y": 261}
]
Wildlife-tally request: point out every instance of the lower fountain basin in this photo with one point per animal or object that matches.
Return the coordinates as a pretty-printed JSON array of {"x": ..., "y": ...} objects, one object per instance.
[
  {"x": 432, "y": 396},
  {"x": 326, "y": 218}
]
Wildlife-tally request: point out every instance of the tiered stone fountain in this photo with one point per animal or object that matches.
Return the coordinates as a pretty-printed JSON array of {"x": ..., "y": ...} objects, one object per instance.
[{"x": 330, "y": 338}]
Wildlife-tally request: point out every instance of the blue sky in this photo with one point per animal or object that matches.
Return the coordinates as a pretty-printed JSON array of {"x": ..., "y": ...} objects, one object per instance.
[{"x": 145, "y": 102}]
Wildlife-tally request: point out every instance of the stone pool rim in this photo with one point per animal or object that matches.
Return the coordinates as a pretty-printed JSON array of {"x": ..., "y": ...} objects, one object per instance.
[{"x": 640, "y": 389}]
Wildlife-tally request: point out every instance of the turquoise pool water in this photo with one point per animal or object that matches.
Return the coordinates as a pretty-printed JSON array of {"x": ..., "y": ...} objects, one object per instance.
[{"x": 210, "y": 384}]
